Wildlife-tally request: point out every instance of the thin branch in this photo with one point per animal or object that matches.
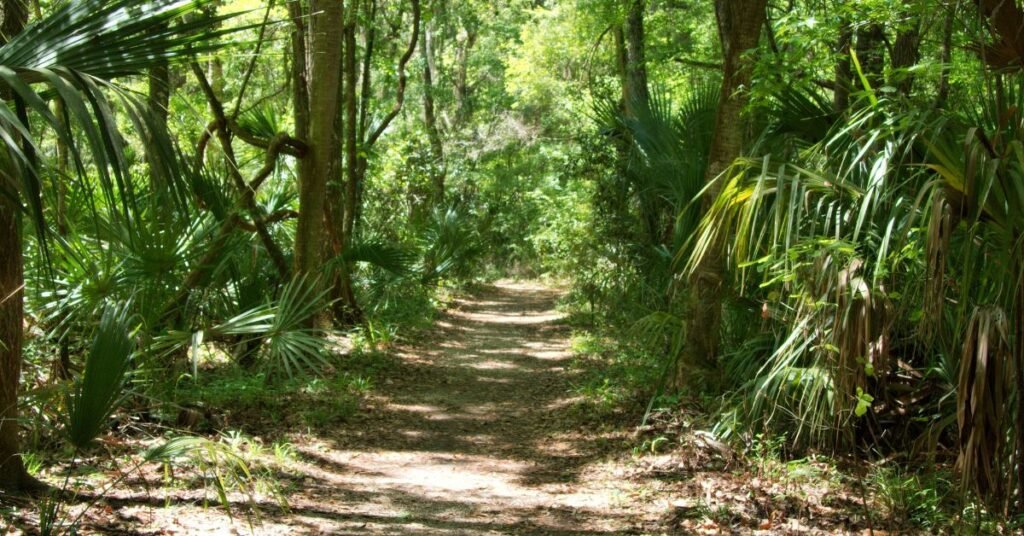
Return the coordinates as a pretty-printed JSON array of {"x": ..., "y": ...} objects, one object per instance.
[
  {"x": 367, "y": 71},
  {"x": 402, "y": 77},
  {"x": 699, "y": 63},
  {"x": 770, "y": 31},
  {"x": 204, "y": 141},
  {"x": 593, "y": 50},
  {"x": 292, "y": 146},
  {"x": 826, "y": 84},
  {"x": 252, "y": 63},
  {"x": 273, "y": 217},
  {"x": 274, "y": 148},
  {"x": 248, "y": 195}
]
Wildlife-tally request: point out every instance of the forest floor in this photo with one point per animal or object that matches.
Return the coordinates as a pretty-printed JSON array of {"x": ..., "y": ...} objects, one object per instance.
[{"x": 475, "y": 430}]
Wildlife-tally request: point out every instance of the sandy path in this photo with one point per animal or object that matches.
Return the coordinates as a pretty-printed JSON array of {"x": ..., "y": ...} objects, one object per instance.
[{"x": 474, "y": 435}]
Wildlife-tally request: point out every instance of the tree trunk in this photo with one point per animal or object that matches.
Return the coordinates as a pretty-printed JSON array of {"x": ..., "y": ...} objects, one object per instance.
[
  {"x": 61, "y": 367},
  {"x": 437, "y": 166},
  {"x": 871, "y": 53},
  {"x": 463, "y": 111},
  {"x": 325, "y": 51},
  {"x": 636, "y": 97},
  {"x": 620, "y": 62},
  {"x": 13, "y": 476},
  {"x": 844, "y": 70},
  {"x": 158, "y": 99},
  {"x": 946, "y": 57},
  {"x": 299, "y": 71},
  {"x": 905, "y": 54},
  {"x": 739, "y": 28},
  {"x": 12, "y": 471},
  {"x": 348, "y": 310},
  {"x": 635, "y": 91}
]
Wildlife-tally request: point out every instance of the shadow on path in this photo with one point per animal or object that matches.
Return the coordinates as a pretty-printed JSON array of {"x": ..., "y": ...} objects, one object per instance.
[{"x": 475, "y": 434}]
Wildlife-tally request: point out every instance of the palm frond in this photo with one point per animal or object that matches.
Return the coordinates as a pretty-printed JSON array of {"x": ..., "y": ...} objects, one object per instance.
[{"x": 97, "y": 391}]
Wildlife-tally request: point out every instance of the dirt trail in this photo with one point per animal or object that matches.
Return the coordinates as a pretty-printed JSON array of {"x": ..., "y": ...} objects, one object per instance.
[
  {"x": 473, "y": 435},
  {"x": 474, "y": 431}
]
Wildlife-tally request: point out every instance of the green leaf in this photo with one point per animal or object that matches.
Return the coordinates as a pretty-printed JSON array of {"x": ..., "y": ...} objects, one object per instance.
[{"x": 864, "y": 401}]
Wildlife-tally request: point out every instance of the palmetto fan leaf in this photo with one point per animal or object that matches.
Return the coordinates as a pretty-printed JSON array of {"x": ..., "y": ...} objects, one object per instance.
[
  {"x": 97, "y": 391},
  {"x": 110, "y": 38},
  {"x": 668, "y": 147},
  {"x": 72, "y": 55},
  {"x": 291, "y": 344},
  {"x": 382, "y": 254}
]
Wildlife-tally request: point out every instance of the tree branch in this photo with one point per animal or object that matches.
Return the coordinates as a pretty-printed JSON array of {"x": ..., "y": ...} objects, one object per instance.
[
  {"x": 273, "y": 217},
  {"x": 699, "y": 63},
  {"x": 248, "y": 194},
  {"x": 402, "y": 77}
]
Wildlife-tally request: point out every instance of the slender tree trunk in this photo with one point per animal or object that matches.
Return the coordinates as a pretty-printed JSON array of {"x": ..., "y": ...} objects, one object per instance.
[
  {"x": 739, "y": 28},
  {"x": 13, "y": 476},
  {"x": 325, "y": 51},
  {"x": 463, "y": 110},
  {"x": 620, "y": 62},
  {"x": 299, "y": 70},
  {"x": 437, "y": 167},
  {"x": 616, "y": 197},
  {"x": 12, "y": 471},
  {"x": 654, "y": 210},
  {"x": 63, "y": 162},
  {"x": 636, "y": 92},
  {"x": 343, "y": 172},
  {"x": 352, "y": 131},
  {"x": 946, "y": 58},
  {"x": 871, "y": 52},
  {"x": 844, "y": 69},
  {"x": 62, "y": 367},
  {"x": 158, "y": 99},
  {"x": 905, "y": 54},
  {"x": 364, "y": 101},
  {"x": 357, "y": 142},
  {"x": 1016, "y": 491}
]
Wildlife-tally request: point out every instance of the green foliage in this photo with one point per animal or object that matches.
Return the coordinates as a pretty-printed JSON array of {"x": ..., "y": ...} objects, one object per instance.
[
  {"x": 283, "y": 329},
  {"x": 912, "y": 499},
  {"x": 96, "y": 393},
  {"x": 451, "y": 244},
  {"x": 292, "y": 345},
  {"x": 220, "y": 464},
  {"x": 616, "y": 374}
]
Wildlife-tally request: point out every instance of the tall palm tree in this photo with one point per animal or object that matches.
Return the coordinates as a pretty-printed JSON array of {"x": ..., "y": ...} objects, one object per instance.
[{"x": 73, "y": 55}]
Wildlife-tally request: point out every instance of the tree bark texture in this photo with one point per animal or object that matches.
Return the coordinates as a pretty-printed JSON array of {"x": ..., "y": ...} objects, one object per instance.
[
  {"x": 437, "y": 165},
  {"x": 325, "y": 51},
  {"x": 871, "y": 52},
  {"x": 844, "y": 69},
  {"x": 905, "y": 54},
  {"x": 739, "y": 28},
  {"x": 13, "y": 476},
  {"x": 636, "y": 91}
]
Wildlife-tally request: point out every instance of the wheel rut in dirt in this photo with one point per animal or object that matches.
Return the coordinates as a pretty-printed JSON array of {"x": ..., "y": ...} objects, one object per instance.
[{"x": 474, "y": 433}]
